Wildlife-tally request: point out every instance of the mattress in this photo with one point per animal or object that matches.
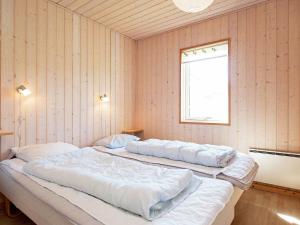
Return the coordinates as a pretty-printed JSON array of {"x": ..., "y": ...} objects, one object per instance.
[
  {"x": 203, "y": 171},
  {"x": 47, "y": 207}
]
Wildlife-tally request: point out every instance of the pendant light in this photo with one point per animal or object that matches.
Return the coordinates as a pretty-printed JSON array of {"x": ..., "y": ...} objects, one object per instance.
[{"x": 192, "y": 6}]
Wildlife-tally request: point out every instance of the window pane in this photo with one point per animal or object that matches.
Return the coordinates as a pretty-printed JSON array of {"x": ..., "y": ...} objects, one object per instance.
[{"x": 205, "y": 84}]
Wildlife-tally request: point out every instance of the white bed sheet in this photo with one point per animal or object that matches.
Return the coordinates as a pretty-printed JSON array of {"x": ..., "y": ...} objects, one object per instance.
[{"x": 196, "y": 210}]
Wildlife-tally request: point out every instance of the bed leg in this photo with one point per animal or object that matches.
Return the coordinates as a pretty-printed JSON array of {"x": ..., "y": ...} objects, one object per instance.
[{"x": 10, "y": 210}]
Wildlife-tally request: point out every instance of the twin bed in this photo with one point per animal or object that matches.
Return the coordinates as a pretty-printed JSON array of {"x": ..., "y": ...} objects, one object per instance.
[{"x": 50, "y": 203}]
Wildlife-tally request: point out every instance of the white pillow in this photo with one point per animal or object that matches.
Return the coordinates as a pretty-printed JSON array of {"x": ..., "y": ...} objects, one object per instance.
[
  {"x": 116, "y": 141},
  {"x": 40, "y": 151}
]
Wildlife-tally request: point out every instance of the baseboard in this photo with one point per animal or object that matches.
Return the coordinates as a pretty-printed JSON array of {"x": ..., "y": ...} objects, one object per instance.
[{"x": 276, "y": 189}]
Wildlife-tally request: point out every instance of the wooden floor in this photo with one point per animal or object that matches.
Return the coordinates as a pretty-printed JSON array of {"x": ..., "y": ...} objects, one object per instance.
[{"x": 254, "y": 208}]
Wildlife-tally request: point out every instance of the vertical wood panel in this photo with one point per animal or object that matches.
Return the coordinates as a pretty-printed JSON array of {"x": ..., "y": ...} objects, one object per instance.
[
  {"x": 60, "y": 78},
  {"x": 83, "y": 80},
  {"x": 250, "y": 74},
  {"x": 31, "y": 32},
  {"x": 271, "y": 71},
  {"x": 260, "y": 97},
  {"x": 20, "y": 68},
  {"x": 51, "y": 73},
  {"x": 90, "y": 85},
  {"x": 41, "y": 90},
  {"x": 264, "y": 65},
  {"x": 65, "y": 60},
  {"x": 76, "y": 80},
  {"x": 294, "y": 75},
  {"x": 68, "y": 123},
  {"x": 282, "y": 64},
  {"x": 7, "y": 72}
]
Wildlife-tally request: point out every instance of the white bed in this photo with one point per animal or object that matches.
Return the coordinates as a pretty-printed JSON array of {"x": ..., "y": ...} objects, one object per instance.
[
  {"x": 247, "y": 172},
  {"x": 44, "y": 206}
]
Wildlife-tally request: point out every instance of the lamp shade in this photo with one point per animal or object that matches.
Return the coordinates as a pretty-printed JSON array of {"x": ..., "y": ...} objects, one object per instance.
[
  {"x": 22, "y": 90},
  {"x": 192, "y": 6},
  {"x": 104, "y": 98}
]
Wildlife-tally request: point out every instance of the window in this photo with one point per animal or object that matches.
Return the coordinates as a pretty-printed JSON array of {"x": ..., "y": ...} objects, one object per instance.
[{"x": 205, "y": 84}]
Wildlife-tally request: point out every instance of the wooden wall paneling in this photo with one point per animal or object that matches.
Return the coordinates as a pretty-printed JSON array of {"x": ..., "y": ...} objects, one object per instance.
[
  {"x": 126, "y": 94},
  {"x": 97, "y": 79},
  {"x": 51, "y": 73},
  {"x": 102, "y": 80},
  {"x": 170, "y": 107},
  {"x": 41, "y": 90},
  {"x": 233, "y": 34},
  {"x": 146, "y": 95},
  {"x": 60, "y": 78},
  {"x": 158, "y": 87},
  {"x": 174, "y": 76},
  {"x": 145, "y": 90},
  {"x": 294, "y": 75},
  {"x": 121, "y": 95},
  {"x": 114, "y": 78},
  {"x": 65, "y": 60},
  {"x": 264, "y": 87},
  {"x": 31, "y": 32},
  {"x": 271, "y": 75},
  {"x": 151, "y": 88},
  {"x": 133, "y": 65},
  {"x": 139, "y": 83},
  {"x": 118, "y": 100},
  {"x": 76, "y": 80},
  {"x": 19, "y": 68},
  {"x": 242, "y": 82},
  {"x": 250, "y": 74},
  {"x": 260, "y": 98},
  {"x": 143, "y": 80},
  {"x": 107, "y": 107},
  {"x": 83, "y": 80},
  {"x": 68, "y": 70},
  {"x": 282, "y": 74},
  {"x": 164, "y": 84},
  {"x": 146, "y": 87},
  {"x": 90, "y": 86},
  {"x": 7, "y": 71}
]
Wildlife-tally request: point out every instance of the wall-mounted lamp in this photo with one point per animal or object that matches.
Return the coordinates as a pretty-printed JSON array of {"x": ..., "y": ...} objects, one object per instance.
[
  {"x": 22, "y": 90},
  {"x": 103, "y": 98}
]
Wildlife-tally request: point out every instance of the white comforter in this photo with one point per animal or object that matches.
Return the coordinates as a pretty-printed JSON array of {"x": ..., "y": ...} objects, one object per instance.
[
  {"x": 205, "y": 154},
  {"x": 145, "y": 190},
  {"x": 200, "y": 208}
]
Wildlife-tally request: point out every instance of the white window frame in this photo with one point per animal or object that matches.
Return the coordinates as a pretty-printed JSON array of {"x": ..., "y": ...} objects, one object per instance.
[{"x": 183, "y": 109}]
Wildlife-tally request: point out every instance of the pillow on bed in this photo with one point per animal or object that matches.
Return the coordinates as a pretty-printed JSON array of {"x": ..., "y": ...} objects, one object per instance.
[
  {"x": 116, "y": 141},
  {"x": 39, "y": 151}
]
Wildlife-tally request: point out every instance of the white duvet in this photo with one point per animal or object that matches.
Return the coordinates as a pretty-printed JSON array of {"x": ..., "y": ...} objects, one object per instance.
[
  {"x": 200, "y": 208},
  {"x": 203, "y": 154},
  {"x": 146, "y": 190}
]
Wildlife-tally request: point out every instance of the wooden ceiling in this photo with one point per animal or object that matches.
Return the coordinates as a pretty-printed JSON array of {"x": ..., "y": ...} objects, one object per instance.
[{"x": 142, "y": 18}]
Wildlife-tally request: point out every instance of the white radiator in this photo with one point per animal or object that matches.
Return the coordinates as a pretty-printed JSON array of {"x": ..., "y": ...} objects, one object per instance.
[{"x": 278, "y": 168}]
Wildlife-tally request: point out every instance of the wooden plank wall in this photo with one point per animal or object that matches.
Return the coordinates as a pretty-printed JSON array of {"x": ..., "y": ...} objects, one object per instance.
[
  {"x": 66, "y": 60},
  {"x": 265, "y": 79}
]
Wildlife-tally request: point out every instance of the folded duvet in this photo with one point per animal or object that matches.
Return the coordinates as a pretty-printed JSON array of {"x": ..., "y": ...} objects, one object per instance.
[
  {"x": 207, "y": 155},
  {"x": 145, "y": 190}
]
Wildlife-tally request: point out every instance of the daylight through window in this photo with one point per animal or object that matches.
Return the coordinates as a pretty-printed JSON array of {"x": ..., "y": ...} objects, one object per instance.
[{"x": 205, "y": 84}]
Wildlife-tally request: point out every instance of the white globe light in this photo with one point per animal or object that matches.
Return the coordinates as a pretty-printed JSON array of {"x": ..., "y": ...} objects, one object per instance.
[{"x": 192, "y": 6}]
